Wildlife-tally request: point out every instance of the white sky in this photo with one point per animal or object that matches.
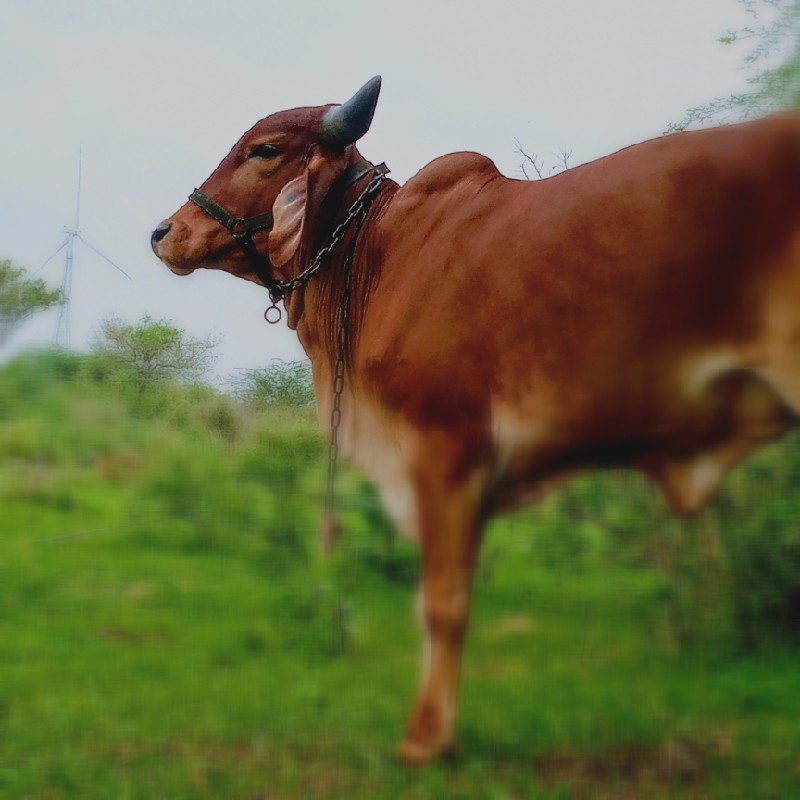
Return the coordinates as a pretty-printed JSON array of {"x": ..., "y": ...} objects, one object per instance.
[{"x": 157, "y": 91}]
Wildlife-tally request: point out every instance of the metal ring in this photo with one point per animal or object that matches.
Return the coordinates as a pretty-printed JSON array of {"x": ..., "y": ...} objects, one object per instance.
[
  {"x": 272, "y": 319},
  {"x": 238, "y": 228}
]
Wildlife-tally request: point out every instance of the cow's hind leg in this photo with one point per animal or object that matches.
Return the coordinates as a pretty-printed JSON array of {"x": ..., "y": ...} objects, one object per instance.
[
  {"x": 450, "y": 530},
  {"x": 778, "y": 356}
]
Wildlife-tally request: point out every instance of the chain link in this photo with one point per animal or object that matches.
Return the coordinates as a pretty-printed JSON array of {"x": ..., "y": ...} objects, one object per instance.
[{"x": 342, "y": 347}]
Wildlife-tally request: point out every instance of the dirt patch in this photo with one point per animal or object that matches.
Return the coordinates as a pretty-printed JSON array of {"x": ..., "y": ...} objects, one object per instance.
[
  {"x": 517, "y": 623},
  {"x": 512, "y": 625},
  {"x": 123, "y": 636},
  {"x": 120, "y": 466},
  {"x": 630, "y": 772}
]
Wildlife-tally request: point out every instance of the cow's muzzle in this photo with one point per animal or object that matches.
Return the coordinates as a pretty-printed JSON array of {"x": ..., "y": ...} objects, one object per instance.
[
  {"x": 158, "y": 234},
  {"x": 162, "y": 248}
]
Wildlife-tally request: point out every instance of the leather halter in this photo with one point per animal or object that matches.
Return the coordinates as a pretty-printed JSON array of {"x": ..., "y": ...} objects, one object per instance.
[{"x": 243, "y": 228}]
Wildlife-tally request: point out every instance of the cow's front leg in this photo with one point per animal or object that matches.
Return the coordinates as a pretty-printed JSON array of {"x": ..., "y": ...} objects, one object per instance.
[{"x": 450, "y": 531}]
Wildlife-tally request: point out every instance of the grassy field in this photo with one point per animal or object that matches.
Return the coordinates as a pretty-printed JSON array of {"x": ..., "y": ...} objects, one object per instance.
[{"x": 167, "y": 630}]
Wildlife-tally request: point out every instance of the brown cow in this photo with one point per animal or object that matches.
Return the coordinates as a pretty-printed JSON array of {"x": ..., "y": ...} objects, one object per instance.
[{"x": 640, "y": 310}]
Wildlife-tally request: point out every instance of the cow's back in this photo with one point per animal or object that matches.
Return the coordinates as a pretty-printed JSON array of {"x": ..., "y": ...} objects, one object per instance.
[{"x": 599, "y": 306}]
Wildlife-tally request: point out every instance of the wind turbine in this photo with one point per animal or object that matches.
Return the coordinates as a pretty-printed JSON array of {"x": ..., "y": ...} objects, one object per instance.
[{"x": 62, "y": 326}]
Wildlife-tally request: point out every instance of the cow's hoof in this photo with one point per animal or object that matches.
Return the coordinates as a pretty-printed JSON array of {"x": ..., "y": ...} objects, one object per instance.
[
  {"x": 427, "y": 738},
  {"x": 417, "y": 754}
]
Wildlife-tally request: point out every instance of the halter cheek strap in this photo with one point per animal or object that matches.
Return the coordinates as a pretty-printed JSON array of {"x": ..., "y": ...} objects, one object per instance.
[{"x": 243, "y": 228}]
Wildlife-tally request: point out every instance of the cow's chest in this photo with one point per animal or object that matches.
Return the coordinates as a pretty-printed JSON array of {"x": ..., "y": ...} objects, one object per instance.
[{"x": 375, "y": 444}]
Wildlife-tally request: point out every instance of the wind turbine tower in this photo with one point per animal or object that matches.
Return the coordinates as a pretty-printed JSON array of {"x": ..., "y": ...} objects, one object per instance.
[{"x": 63, "y": 325}]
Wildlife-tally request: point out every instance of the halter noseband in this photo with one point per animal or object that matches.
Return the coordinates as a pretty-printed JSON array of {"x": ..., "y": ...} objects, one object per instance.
[{"x": 242, "y": 230}]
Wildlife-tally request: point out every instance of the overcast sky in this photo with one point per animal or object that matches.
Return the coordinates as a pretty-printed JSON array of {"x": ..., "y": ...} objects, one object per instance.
[{"x": 155, "y": 92}]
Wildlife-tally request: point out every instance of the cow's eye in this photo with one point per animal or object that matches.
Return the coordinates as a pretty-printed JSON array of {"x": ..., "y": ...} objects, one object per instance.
[{"x": 264, "y": 151}]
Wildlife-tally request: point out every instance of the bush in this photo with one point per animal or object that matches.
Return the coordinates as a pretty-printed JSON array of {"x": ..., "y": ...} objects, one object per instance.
[
  {"x": 284, "y": 464},
  {"x": 27, "y": 378},
  {"x": 282, "y": 383},
  {"x": 149, "y": 352},
  {"x": 368, "y": 538},
  {"x": 759, "y": 515},
  {"x": 21, "y": 297},
  {"x": 192, "y": 501},
  {"x": 733, "y": 571}
]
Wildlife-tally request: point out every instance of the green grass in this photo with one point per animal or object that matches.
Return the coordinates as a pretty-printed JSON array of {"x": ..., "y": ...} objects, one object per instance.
[
  {"x": 132, "y": 673},
  {"x": 167, "y": 630}
]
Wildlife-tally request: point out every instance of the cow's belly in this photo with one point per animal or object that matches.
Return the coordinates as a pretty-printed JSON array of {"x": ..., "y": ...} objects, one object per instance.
[
  {"x": 520, "y": 443},
  {"x": 701, "y": 416},
  {"x": 729, "y": 409}
]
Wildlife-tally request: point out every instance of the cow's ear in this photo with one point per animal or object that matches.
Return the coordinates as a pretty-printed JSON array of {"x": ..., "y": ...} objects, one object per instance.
[
  {"x": 289, "y": 212},
  {"x": 295, "y": 208}
]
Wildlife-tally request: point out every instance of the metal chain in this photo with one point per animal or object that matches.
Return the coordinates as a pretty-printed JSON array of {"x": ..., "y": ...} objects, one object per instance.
[
  {"x": 358, "y": 208},
  {"x": 338, "y": 385},
  {"x": 342, "y": 349}
]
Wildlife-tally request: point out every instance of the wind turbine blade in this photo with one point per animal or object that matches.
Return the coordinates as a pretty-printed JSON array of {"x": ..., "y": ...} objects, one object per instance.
[
  {"x": 78, "y": 199},
  {"x": 50, "y": 258},
  {"x": 92, "y": 247}
]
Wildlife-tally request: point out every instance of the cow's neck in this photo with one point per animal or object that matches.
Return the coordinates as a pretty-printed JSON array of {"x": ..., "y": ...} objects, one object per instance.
[{"x": 314, "y": 310}]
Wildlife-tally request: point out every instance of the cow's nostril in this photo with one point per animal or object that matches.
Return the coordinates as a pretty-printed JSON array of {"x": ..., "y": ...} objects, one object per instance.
[{"x": 159, "y": 233}]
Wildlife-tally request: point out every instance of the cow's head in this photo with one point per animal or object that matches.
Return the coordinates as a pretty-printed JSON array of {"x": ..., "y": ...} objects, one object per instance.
[{"x": 286, "y": 163}]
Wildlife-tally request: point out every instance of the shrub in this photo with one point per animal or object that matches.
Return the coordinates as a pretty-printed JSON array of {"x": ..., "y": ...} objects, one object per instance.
[
  {"x": 733, "y": 571},
  {"x": 27, "y": 378},
  {"x": 149, "y": 352},
  {"x": 282, "y": 383},
  {"x": 759, "y": 515},
  {"x": 368, "y": 538},
  {"x": 21, "y": 297}
]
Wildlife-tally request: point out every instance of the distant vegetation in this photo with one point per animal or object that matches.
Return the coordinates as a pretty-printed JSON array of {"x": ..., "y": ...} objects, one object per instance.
[
  {"x": 211, "y": 466},
  {"x": 251, "y": 460},
  {"x": 166, "y": 619},
  {"x": 150, "y": 352},
  {"x": 770, "y": 42},
  {"x": 282, "y": 383},
  {"x": 21, "y": 297}
]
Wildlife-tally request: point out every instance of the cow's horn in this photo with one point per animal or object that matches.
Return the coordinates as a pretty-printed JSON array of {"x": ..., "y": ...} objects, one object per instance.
[{"x": 345, "y": 124}]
